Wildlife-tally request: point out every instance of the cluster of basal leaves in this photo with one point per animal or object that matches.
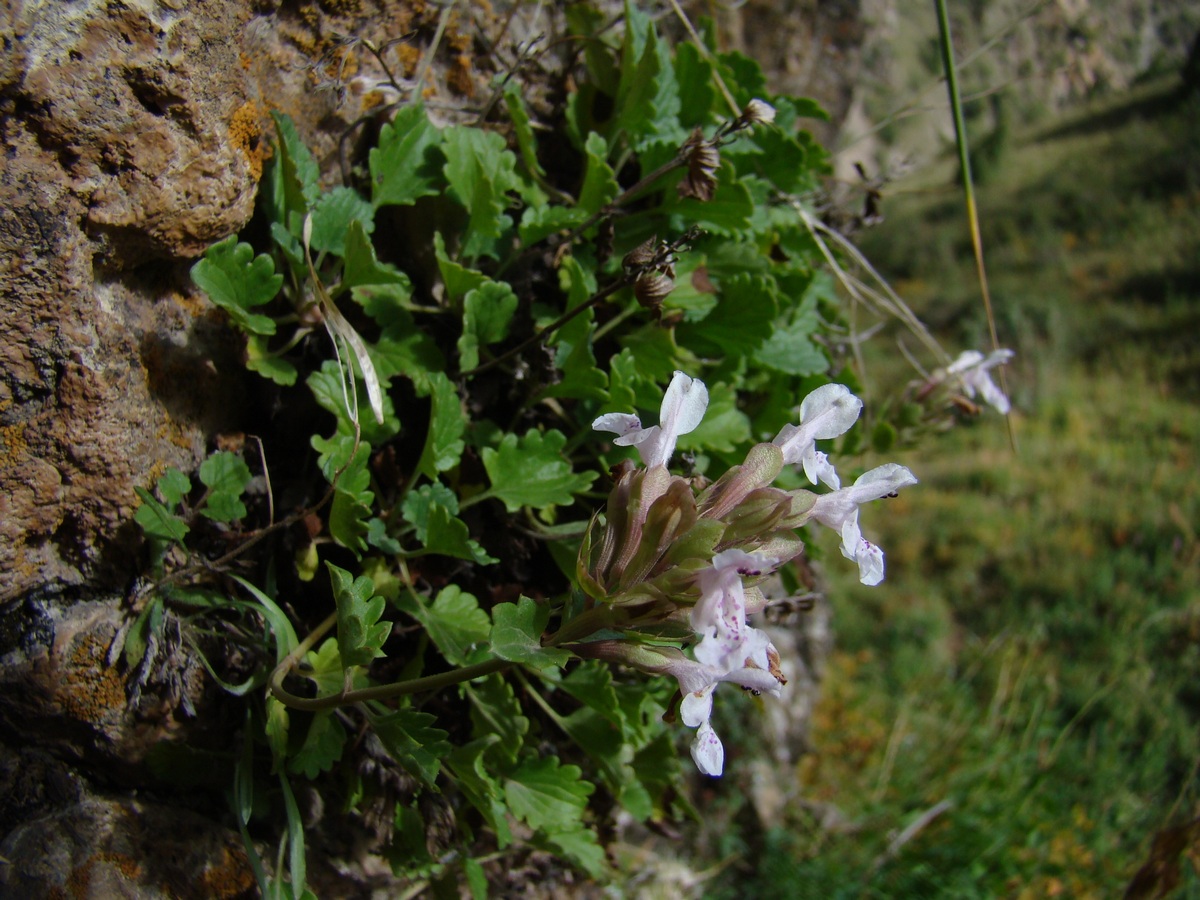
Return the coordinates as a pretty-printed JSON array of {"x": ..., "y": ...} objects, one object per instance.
[{"x": 458, "y": 497}]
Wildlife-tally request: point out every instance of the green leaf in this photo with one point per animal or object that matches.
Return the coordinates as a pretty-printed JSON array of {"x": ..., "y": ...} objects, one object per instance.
[
  {"x": 237, "y": 281},
  {"x": 742, "y": 320},
  {"x": 281, "y": 626},
  {"x": 539, "y": 222},
  {"x": 324, "y": 668},
  {"x": 522, "y": 129},
  {"x": 697, "y": 95},
  {"x": 260, "y": 359},
  {"x": 380, "y": 538},
  {"x": 443, "y": 442},
  {"x": 647, "y": 101},
  {"x": 454, "y": 621},
  {"x": 591, "y": 683},
  {"x": 333, "y": 215},
  {"x": 158, "y": 521},
  {"x": 790, "y": 348},
  {"x": 479, "y": 787},
  {"x": 573, "y": 355},
  {"x": 173, "y": 486},
  {"x": 276, "y": 730},
  {"x": 292, "y": 185},
  {"x": 404, "y": 349},
  {"x": 531, "y": 471},
  {"x": 457, "y": 279},
  {"x": 322, "y": 746},
  {"x": 326, "y": 386},
  {"x": 496, "y": 713},
  {"x": 226, "y": 476},
  {"x": 744, "y": 76},
  {"x": 487, "y": 312},
  {"x": 724, "y": 427},
  {"x": 449, "y": 536},
  {"x": 599, "y": 181},
  {"x": 404, "y": 166},
  {"x": 351, "y": 509},
  {"x": 409, "y": 737},
  {"x": 362, "y": 267},
  {"x": 546, "y": 795},
  {"x": 417, "y": 504},
  {"x": 582, "y": 847},
  {"x": 360, "y": 633},
  {"x": 517, "y": 634},
  {"x": 727, "y": 213},
  {"x": 480, "y": 170}
]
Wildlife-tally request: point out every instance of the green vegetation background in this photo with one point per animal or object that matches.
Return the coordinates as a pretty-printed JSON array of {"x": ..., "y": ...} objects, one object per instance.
[{"x": 1029, "y": 681}]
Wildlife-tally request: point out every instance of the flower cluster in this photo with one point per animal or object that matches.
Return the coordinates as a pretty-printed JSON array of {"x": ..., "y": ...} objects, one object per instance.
[{"x": 671, "y": 564}]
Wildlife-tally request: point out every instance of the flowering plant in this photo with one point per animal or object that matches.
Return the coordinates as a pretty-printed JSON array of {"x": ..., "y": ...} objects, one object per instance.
[{"x": 668, "y": 560}]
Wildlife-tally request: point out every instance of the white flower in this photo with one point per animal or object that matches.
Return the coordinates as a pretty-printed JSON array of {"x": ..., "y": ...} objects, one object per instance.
[
  {"x": 971, "y": 367},
  {"x": 827, "y": 412},
  {"x": 683, "y": 407},
  {"x": 839, "y": 510},
  {"x": 720, "y": 613},
  {"x": 696, "y": 706}
]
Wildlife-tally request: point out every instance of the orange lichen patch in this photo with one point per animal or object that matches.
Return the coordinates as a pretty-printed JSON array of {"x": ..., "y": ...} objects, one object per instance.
[
  {"x": 245, "y": 130},
  {"x": 229, "y": 876},
  {"x": 458, "y": 77},
  {"x": 79, "y": 882},
  {"x": 459, "y": 41},
  {"x": 13, "y": 446},
  {"x": 90, "y": 689},
  {"x": 409, "y": 56}
]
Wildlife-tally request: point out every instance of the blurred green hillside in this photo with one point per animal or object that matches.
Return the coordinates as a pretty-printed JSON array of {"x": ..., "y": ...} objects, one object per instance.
[{"x": 1014, "y": 711}]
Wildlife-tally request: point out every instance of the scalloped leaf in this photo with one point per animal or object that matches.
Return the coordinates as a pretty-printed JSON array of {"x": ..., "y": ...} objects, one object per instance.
[
  {"x": 405, "y": 165},
  {"x": 531, "y": 471},
  {"x": 237, "y": 281},
  {"x": 360, "y": 634},
  {"x": 517, "y": 634}
]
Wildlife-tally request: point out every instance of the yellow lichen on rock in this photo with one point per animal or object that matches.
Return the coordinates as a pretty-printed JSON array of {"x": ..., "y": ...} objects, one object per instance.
[
  {"x": 90, "y": 689},
  {"x": 245, "y": 130}
]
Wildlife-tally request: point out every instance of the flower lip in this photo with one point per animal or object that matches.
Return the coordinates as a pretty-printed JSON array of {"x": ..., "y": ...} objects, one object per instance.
[
  {"x": 683, "y": 406},
  {"x": 825, "y": 413}
]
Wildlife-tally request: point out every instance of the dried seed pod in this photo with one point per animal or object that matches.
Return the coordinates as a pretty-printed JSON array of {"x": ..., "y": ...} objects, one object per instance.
[
  {"x": 758, "y": 112},
  {"x": 641, "y": 255},
  {"x": 703, "y": 159},
  {"x": 651, "y": 289}
]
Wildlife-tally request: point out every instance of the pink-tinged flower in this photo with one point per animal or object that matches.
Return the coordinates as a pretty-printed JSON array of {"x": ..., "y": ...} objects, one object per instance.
[
  {"x": 696, "y": 707},
  {"x": 827, "y": 412},
  {"x": 758, "y": 672},
  {"x": 971, "y": 368},
  {"x": 839, "y": 510},
  {"x": 683, "y": 407},
  {"x": 719, "y": 616}
]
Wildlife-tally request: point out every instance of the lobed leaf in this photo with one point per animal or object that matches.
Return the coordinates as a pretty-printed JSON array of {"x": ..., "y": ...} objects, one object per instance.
[
  {"x": 517, "y": 634},
  {"x": 237, "y": 281},
  {"x": 531, "y": 471},
  {"x": 409, "y": 736},
  {"x": 546, "y": 795},
  {"x": 360, "y": 634},
  {"x": 404, "y": 166},
  {"x": 226, "y": 475}
]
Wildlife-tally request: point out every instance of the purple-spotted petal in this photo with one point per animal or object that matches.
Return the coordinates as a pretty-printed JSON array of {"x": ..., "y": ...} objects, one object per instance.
[{"x": 707, "y": 751}]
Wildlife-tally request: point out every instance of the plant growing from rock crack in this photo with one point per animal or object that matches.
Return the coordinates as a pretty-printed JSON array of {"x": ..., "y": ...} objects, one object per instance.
[{"x": 460, "y": 315}]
